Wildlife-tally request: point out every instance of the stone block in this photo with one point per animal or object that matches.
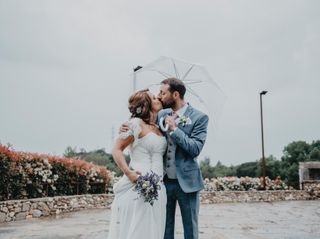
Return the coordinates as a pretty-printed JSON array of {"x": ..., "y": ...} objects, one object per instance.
[
  {"x": 25, "y": 207},
  {"x": 3, "y": 217},
  {"x": 21, "y": 216},
  {"x": 36, "y": 213}
]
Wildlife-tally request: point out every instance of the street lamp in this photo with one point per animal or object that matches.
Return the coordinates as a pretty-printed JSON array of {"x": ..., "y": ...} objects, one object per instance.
[
  {"x": 263, "y": 158},
  {"x": 134, "y": 77}
]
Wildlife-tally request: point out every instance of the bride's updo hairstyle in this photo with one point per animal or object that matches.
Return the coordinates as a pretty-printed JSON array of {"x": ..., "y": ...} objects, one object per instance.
[{"x": 140, "y": 105}]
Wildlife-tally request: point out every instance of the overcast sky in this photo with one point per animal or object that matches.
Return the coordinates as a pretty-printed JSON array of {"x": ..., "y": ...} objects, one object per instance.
[{"x": 65, "y": 69}]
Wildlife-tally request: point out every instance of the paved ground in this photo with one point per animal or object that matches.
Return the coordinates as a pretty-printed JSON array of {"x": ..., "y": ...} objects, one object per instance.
[{"x": 281, "y": 220}]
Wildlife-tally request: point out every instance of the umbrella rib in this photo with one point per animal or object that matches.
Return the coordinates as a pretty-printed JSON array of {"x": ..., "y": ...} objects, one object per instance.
[
  {"x": 153, "y": 85},
  {"x": 194, "y": 93},
  {"x": 175, "y": 69},
  {"x": 162, "y": 73},
  {"x": 189, "y": 82},
  {"x": 187, "y": 73}
]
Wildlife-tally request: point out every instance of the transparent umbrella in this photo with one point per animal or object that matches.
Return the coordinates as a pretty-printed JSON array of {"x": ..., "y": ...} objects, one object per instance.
[{"x": 202, "y": 92}]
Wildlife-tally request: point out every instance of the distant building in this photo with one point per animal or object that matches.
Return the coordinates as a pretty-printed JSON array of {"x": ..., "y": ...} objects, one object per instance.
[{"x": 309, "y": 173}]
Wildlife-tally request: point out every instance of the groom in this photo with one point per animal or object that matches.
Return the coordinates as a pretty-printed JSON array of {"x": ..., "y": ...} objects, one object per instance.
[{"x": 186, "y": 136}]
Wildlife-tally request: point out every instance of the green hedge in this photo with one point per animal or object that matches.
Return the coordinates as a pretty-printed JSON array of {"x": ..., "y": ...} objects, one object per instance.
[{"x": 28, "y": 175}]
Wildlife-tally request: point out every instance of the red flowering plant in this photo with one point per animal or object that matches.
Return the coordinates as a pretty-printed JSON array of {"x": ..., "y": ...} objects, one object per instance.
[{"x": 30, "y": 175}]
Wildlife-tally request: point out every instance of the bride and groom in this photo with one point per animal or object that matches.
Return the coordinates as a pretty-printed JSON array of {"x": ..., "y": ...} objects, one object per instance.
[{"x": 172, "y": 154}]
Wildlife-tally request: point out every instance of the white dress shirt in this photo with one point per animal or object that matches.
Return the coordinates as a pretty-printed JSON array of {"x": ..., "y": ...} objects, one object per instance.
[{"x": 180, "y": 112}]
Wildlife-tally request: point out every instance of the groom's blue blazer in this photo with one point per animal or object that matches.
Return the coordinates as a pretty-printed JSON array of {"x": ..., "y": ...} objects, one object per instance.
[{"x": 189, "y": 139}]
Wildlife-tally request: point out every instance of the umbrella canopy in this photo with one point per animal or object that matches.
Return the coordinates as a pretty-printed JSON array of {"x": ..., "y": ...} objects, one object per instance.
[{"x": 202, "y": 92}]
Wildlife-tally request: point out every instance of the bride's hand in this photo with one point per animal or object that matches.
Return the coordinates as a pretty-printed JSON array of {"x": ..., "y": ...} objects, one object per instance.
[{"x": 133, "y": 175}]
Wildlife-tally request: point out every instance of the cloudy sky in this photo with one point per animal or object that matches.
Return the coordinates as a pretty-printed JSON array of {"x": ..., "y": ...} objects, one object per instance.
[{"x": 65, "y": 69}]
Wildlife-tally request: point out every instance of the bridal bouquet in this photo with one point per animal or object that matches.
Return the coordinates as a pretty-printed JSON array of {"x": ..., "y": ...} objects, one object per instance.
[{"x": 148, "y": 187}]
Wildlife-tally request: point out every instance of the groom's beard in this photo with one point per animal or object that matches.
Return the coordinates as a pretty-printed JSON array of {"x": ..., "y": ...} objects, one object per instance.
[{"x": 168, "y": 105}]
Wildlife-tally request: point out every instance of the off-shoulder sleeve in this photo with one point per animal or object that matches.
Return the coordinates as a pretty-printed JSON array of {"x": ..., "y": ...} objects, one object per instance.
[{"x": 134, "y": 129}]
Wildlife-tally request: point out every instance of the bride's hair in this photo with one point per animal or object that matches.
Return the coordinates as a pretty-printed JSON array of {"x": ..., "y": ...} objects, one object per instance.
[{"x": 140, "y": 105}]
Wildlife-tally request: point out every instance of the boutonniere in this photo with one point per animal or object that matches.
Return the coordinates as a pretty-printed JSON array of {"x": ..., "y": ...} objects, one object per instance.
[{"x": 184, "y": 120}]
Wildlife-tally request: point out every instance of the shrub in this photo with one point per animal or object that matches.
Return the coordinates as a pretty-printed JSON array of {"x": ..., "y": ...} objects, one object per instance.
[{"x": 29, "y": 175}]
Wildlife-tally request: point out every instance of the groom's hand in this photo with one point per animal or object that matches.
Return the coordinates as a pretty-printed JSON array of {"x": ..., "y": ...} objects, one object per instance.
[
  {"x": 124, "y": 127},
  {"x": 171, "y": 122}
]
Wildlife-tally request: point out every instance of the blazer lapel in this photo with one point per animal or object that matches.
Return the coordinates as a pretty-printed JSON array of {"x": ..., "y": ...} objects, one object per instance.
[{"x": 188, "y": 111}]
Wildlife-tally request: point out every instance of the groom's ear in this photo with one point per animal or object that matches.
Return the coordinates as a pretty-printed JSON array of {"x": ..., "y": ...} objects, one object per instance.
[{"x": 176, "y": 95}]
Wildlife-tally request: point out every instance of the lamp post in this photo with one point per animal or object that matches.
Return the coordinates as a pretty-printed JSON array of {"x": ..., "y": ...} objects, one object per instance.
[
  {"x": 262, "y": 140},
  {"x": 134, "y": 77}
]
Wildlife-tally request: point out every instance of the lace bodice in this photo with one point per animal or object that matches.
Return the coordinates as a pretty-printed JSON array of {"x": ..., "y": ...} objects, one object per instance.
[{"x": 146, "y": 153}]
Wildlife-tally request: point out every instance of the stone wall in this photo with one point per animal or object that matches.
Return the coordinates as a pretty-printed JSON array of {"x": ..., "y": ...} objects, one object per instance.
[
  {"x": 312, "y": 187},
  {"x": 33, "y": 208},
  {"x": 253, "y": 196}
]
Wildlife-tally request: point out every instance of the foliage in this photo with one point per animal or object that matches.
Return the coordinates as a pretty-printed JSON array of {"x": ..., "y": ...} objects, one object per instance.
[
  {"x": 99, "y": 157},
  {"x": 247, "y": 169},
  {"x": 287, "y": 168},
  {"x": 29, "y": 175},
  {"x": 219, "y": 170},
  {"x": 273, "y": 167},
  {"x": 242, "y": 184},
  {"x": 295, "y": 152}
]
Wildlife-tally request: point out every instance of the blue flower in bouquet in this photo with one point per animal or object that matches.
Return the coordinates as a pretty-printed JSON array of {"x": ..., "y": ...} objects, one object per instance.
[{"x": 148, "y": 186}]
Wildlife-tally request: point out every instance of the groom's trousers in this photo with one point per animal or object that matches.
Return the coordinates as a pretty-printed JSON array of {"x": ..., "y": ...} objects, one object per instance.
[{"x": 189, "y": 207}]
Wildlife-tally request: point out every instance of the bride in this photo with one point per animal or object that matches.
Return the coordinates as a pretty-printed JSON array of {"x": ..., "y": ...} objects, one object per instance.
[{"x": 131, "y": 217}]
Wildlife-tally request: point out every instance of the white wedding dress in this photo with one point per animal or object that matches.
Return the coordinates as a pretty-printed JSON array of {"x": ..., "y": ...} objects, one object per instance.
[{"x": 131, "y": 217}]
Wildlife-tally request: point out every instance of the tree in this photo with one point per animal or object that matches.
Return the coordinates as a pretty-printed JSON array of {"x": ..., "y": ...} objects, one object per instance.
[
  {"x": 99, "y": 157},
  {"x": 315, "y": 151},
  {"x": 315, "y": 154},
  {"x": 295, "y": 152},
  {"x": 247, "y": 169},
  {"x": 273, "y": 167},
  {"x": 70, "y": 152},
  {"x": 206, "y": 169},
  {"x": 292, "y": 175},
  {"x": 221, "y": 170}
]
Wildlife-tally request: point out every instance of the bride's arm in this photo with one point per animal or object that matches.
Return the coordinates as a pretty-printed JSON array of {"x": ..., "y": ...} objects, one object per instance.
[{"x": 118, "y": 157}]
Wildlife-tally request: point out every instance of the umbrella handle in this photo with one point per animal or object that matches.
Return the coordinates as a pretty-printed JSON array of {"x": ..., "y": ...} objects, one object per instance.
[{"x": 163, "y": 128}]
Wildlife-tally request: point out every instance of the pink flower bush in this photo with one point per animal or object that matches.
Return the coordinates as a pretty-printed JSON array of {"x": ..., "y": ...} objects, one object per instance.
[{"x": 25, "y": 175}]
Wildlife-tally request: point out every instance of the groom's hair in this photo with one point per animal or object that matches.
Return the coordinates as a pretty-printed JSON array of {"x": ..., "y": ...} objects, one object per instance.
[{"x": 175, "y": 85}]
